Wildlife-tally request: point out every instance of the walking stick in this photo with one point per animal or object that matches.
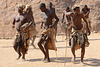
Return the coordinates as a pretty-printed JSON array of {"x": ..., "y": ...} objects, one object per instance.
[{"x": 66, "y": 47}]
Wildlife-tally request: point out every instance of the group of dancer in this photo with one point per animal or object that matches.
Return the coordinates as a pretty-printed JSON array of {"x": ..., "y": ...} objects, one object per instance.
[{"x": 77, "y": 24}]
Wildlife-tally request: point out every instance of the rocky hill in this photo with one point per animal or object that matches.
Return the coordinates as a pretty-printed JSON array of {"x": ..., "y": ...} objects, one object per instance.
[
  {"x": 94, "y": 5},
  {"x": 8, "y": 8}
]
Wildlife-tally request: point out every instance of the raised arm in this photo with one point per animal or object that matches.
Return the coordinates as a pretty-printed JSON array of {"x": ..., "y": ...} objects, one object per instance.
[
  {"x": 13, "y": 23},
  {"x": 87, "y": 12},
  {"x": 86, "y": 23},
  {"x": 69, "y": 14},
  {"x": 33, "y": 18}
]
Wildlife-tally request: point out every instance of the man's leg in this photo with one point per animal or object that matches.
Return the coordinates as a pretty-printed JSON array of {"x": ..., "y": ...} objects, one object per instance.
[
  {"x": 69, "y": 32},
  {"x": 46, "y": 48},
  {"x": 15, "y": 44},
  {"x": 73, "y": 48},
  {"x": 66, "y": 32},
  {"x": 27, "y": 45},
  {"x": 82, "y": 54},
  {"x": 33, "y": 39},
  {"x": 23, "y": 51},
  {"x": 16, "y": 47},
  {"x": 87, "y": 42},
  {"x": 41, "y": 47}
]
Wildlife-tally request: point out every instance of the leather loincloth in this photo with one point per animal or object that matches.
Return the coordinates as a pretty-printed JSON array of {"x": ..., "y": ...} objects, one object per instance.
[
  {"x": 80, "y": 38},
  {"x": 51, "y": 43},
  {"x": 31, "y": 31}
]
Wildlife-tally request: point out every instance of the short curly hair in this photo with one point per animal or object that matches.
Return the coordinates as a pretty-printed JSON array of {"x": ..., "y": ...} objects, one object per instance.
[{"x": 42, "y": 5}]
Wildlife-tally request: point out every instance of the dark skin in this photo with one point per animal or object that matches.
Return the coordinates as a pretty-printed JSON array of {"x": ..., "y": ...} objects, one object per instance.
[
  {"x": 86, "y": 11},
  {"x": 64, "y": 15},
  {"x": 47, "y": 24},
  {"x": 77, "y": 24},
  {"x": 53, "y": 10},
  {"x": 68, "y": 18},
  {"x": 30, "y": 14},
  {"x": 21, "y": 19}
]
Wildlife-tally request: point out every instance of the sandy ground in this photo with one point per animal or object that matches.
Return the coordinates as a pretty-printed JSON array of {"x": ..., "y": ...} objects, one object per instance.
[{"x": 33, "y": 58}]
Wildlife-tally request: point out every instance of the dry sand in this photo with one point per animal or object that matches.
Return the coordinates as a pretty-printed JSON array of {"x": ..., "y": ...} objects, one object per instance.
[{"x": 33, "y": 58}]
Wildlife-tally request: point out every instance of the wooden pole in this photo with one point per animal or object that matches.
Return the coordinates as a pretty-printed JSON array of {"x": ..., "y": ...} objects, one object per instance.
[{"x": 66, "y": 47}]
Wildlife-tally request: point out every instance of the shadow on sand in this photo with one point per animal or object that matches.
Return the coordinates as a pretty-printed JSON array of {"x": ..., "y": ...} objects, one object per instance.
[
  {"x": 93, "y": 62},
  {"x": 93, "y": 39},
  {"x": 6, "y": 46},
  {"x": 90, "y": 62},
  {"x": 58, "y": 60}
]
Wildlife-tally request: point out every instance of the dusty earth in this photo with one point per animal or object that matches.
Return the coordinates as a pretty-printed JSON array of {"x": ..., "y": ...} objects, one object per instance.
[{"x": 33, "y": 58}]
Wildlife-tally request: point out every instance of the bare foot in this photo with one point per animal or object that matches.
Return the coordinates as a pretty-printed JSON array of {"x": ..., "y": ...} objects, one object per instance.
[
  {"x": 43, "y": 59},
  {"x": 46, "y": 60},
  {"x": 73, "y": 60},
  {"x": 19, "y": 57},
  {"x": 82, "y": 63},
  {"x": 23, "y": 59},
  {"x": 33, "y": 45}
]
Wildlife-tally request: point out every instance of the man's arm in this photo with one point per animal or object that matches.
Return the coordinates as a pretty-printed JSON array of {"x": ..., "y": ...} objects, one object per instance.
[
  {"x": 41, "y": 25},
  {"x": 86, "y": 23},
  {"x": 30, "y": 22},
  {"x": 63, "y": 17},
  {"x": 13, "y": 23},
  {"x": 57, "y": 19},
  {"x": 69, "y": 14},
  {"x": 87, "y": 12},
  {"x": 33, "y": 19}
]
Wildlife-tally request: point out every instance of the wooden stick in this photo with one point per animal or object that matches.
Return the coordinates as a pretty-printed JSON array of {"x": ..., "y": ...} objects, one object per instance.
[{"x": 66, "y": 47}]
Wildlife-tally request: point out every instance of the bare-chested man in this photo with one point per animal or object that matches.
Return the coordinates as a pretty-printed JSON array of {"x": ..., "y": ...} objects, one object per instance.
[
  {"x": 86, "y": 12},
  {"x": 67, "y": 22},
  {"x": 20, "y": 20},
  {"x": 45, "y": 38},
  {"x": 53, "y": 10},
  {"x": 33, "y": 32},
  {"x": 77, "y": 27}
]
